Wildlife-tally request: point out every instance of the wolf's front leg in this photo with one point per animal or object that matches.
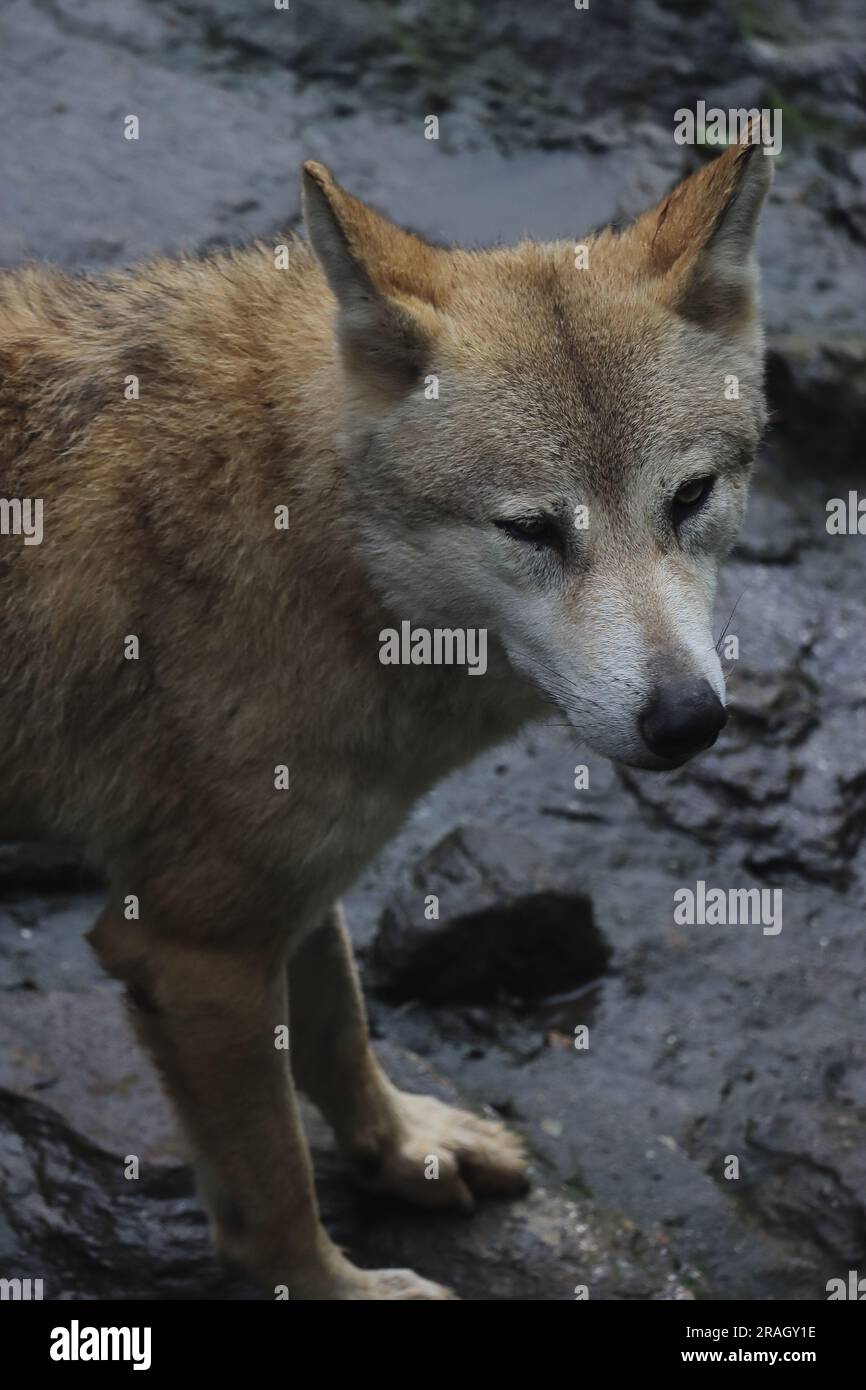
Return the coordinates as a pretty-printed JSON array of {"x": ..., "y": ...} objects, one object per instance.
[
  {"x": 388, "y": 1136},
  {"x": 210, "y": 1016}
]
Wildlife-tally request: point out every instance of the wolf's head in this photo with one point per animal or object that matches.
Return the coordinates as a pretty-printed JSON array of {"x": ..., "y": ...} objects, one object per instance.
[{"x": 555, "y": 443}]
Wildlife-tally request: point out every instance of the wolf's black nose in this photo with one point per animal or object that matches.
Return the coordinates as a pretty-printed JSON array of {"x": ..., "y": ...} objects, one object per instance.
[{"x": 682, "y": 718}]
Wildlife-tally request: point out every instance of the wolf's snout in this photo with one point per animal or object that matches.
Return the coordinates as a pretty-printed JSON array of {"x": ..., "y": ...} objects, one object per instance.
[{"x": 682, "y": 718}]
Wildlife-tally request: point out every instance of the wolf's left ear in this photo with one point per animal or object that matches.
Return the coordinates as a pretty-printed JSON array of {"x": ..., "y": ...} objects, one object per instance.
[
  {"x": 368, "y": 261},
  {"x": 700, "y": 240}
]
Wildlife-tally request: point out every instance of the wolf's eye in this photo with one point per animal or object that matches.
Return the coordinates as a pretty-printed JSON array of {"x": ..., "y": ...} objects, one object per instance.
[
  {"x": 532, "y": 530},
  {"x": 689, "y": 498}
]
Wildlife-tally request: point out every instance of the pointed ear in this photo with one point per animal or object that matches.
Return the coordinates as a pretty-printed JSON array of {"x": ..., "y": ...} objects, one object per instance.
[
  {"x": 700, "y": 239},
  {"x": 366, "y": 261}
]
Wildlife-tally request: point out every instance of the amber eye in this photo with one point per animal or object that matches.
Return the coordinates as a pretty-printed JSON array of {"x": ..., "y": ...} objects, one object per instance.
[{"x": 689, "y": 498}]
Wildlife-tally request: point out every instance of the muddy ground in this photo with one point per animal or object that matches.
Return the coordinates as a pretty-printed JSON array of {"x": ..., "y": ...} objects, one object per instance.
[{"x": 705, "y": 1043}]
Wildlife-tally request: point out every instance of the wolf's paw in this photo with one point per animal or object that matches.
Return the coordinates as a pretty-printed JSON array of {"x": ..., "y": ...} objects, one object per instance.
[
  {"x": 335, "y": 1279},
  {"x": 441, "y": 1157},
  {"x": 393, "y": 1284}
]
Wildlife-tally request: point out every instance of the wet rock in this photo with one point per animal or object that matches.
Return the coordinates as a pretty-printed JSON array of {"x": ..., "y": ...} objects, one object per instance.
[
  {"x": 802, "y": 1162},
  {"x": 42, "y": 943},
  {"x": 70, "y": 1216},
  {"x": 817, "y": 386},
  {"x": 774, "y": 533},
  {"x": 508, "y": 924}
]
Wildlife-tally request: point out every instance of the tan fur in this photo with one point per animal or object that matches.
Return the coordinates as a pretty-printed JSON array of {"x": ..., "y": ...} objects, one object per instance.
[{"x": 260, "y": 647}]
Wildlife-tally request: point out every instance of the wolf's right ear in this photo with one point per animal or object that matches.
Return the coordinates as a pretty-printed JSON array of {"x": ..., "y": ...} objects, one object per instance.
[
  {"x": 700, "y": 240},
  {"x": 364, "y": 257}
]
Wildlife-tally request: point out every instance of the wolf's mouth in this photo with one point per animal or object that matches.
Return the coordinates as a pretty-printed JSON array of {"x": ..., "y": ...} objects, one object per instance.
[{"x": 653, "y": 763}]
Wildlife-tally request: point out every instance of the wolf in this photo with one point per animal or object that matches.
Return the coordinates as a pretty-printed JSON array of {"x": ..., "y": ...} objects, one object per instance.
[{"x": 250, "y": 466}]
